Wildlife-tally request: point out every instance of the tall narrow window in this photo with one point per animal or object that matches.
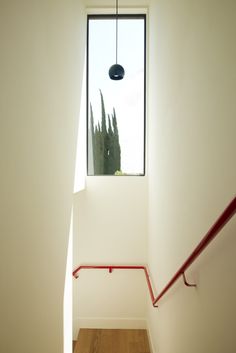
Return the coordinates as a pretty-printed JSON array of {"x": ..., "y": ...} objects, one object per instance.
[{"x": 116, "y": 109}]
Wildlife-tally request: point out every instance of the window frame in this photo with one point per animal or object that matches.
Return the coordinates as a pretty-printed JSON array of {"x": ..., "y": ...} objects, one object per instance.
[{"x": 113, "y": 16}]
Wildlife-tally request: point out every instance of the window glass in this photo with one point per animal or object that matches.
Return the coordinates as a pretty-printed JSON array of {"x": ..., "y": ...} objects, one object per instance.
[{"x": 116, "y": 109}]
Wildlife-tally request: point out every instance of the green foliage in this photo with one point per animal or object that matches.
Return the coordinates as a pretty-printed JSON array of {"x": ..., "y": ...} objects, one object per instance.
[
  {"x": 106, "y": 150},
  {"x": 119, "y": 172}
]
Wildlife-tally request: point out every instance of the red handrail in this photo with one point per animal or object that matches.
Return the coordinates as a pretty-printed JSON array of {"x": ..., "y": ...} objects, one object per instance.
[
  {"x": 113, "y": 267},
  {"x": 224, "y": 218}
]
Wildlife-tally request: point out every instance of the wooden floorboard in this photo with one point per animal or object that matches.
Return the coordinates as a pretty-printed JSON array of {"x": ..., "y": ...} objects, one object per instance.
[{"x": 112, "y": 341}]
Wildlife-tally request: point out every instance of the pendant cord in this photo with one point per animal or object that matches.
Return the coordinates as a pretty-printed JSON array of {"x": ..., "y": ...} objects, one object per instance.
[{"x": 116, "y": 30}]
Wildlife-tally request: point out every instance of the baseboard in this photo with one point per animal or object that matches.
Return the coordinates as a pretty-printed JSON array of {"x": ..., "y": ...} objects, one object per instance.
[
  {"x": 112, "y": 323},
  {"x": 151, "y": 345},
  {"x": 76, "y": 328}
]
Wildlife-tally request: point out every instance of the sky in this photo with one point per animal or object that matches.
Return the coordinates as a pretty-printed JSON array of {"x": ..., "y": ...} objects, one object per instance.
[{"x": 127, "y": 95}]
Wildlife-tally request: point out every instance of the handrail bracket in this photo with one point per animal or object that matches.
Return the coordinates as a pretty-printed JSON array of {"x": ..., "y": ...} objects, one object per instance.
[{"x": 186, "y": 282}]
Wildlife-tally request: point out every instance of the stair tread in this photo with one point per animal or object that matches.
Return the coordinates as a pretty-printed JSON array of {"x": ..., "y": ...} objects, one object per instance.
[{"x": 112, "y": 341}]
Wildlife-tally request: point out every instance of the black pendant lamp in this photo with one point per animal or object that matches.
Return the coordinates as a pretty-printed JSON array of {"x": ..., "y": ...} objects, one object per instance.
[{"x": 116, "y": 71}]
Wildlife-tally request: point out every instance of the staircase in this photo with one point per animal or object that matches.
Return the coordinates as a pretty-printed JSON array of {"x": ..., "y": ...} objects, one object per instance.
[{"x": 111, "y": 341}]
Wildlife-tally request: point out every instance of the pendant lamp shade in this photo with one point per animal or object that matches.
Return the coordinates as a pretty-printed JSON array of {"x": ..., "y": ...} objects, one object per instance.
[{"x": 116, "y": 71}]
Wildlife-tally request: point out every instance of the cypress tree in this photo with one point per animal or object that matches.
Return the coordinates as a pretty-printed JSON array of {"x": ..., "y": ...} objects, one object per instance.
[
  {"x": 105, "y": 142},
  {"x": 110, "y": 143},
  {"x": 117, "y": 151}
]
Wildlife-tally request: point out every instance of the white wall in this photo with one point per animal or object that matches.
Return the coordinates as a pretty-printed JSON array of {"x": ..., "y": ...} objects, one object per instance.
[
  {"x": 41, "y": 65},
  {"x": 192, "y": 170},
  {"x": 112, "y": 226},
  {"x": 122, "y": 4}
]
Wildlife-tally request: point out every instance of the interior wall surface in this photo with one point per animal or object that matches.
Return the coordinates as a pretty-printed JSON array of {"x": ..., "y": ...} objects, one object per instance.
[
  {"x": 192, "y": 171},
  {"x": 41, "y": 64},
  {"x": 112, "y": 226},
  {"x": 104, "y": 4}
]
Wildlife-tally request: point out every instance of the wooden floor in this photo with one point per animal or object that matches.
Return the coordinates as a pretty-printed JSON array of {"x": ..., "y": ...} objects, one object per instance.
[{"x": 112, "y": 341}]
